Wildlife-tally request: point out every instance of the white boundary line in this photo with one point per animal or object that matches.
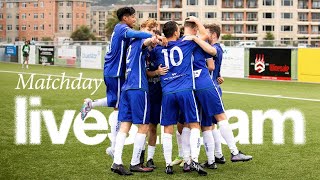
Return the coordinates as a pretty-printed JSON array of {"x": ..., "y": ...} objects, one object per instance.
[
  {"x": 227, "y": 92},
  {"x": 15, "y": 72},
  {"x": 273, "y": 96}
]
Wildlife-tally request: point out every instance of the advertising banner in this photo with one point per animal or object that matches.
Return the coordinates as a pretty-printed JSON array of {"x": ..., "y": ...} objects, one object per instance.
[
  {"x": 308, "y": 64},
  {"x": 11, "y": 50},
  {"x": 269, "y": 63},
  {"x": 46, "y": 54},
  {"x": 232, "y": 62},
  {"x": 91, "y": 57},
  {"x": 67, "y": 56}
]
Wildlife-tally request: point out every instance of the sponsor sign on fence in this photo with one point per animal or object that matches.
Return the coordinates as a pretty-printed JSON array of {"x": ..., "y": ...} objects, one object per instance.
[
  {"x": 308, "y": 65},
  {"x": 91, "y": 57},
  {"x": 269, "y": 63},
  {"x": 46, "y": 54},
  {"x": 232, "y": 62}
]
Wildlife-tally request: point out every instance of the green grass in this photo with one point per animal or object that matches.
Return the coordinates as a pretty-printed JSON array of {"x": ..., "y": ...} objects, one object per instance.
[{"x": 74, "y": 160}]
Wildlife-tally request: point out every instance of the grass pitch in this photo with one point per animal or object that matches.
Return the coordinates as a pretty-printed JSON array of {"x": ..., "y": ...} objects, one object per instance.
[{"x": 74, "y": 160}]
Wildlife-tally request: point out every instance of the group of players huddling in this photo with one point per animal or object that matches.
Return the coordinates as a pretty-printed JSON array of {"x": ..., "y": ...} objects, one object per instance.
[{"x": 171, "y": 80}]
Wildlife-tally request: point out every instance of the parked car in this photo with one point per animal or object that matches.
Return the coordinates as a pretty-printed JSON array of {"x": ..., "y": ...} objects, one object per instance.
[{"x": 246, "y": 44}]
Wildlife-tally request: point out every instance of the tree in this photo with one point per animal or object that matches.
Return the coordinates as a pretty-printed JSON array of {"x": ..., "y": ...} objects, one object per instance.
[
  {"x": 228, "y": 38},
  {"x": 269, "y": 39},
  {"x": 83, "y": 33},
  {"x": 111, "y": 23}
]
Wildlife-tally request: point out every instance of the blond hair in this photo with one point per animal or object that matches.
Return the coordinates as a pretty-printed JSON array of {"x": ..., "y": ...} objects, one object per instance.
[{"x": 150, "y": 23}]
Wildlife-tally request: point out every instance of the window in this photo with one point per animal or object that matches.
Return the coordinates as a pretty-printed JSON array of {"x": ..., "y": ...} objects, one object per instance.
[
  {"x": 42, "y": 27},
  {"x": 23, "y": 16},
  {"x": 286, "y": 3},
  {"x": 315, "y": 29},
  {"x": 268, "y": 15},
  {"x": 226, "y": 28},
  {"x": 17, "y": 16},
  {"x": 82, "y": 4},
  {"x": 238, "y": 16},
  {"x": 1, "y": 27},
  {"x": 315, "y": 16},
  {"x": 252, "y": 16},
  {"x": 153, "y": 15},
  {"x": 23, "y": 27},
  {"x": 251, "y": 29},
  {"x": 303, "y": 16},
  {"x": 35, "y": 27},
  {"x": 1, "y": 16},
  {"x": 60, "y": 3},
  {"x": 88, "y": 4},
  {"x": 9, "y": 27},
  {"x": 166, "y": 16},
  {"x": 210, "y": 15},
  {"x": 69, "y": 15},
  {"x": 60, "y": 27},
  {"x": 60, "y": 15},
  {"x": 140, "y": 15},
  {"x": 17, "y": 27},
  {"x": 9, "y": 16},
  {"x": 35, "y": 15},
  {"x": 286, "y": 40},
  {"x": 267, "y": 28},
  {"x": 303, "y": 29},
  {"x": 286, "y": 28},
  {"x": 35, "y": 4},
  {"x": 252, "y": 3},
  {"x": 226, "y": 16},
  {"x": 238, "y": 29},
  {"x": 69, "y": 27},
  {"x": 192, "y": 14},
  {"x": 87, "y": 16},
  {"x": 69, "y": 3},
  {"x": 1, "y": 4},
  {"x": 34, "y": 39},
  {"x": 9, "y": 5},
  {"x": 192, "y": 2},
  {"x": 177, "y": 16},
  {"x": 286, "y": 15},
  {"x": 238, "y": 3},
  {"x": 82, "y": 15},
  {"x": 211, "y": 2},
  {"x": 316, "y": 4},
  {"x": 41, "y": 4},
  {"x": 23, "y": 5},
  {"x": 268, "y": 2},
  {"x": 42, "y": 15}
]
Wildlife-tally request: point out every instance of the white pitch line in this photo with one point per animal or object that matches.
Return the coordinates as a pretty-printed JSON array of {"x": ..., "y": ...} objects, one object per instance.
[
  {"x": 228, "y": 92},
  {"x": 273, "y": 96},
  {"x": 54, "y": 75}
]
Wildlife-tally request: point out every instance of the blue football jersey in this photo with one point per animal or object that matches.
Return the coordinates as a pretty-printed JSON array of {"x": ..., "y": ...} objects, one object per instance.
[
  {"x": 178, "y": 57},
  {"x": 155, "y": 90},
  {"x": 201, "y": 73},
  {"x": 136, "y": 77},
  {"x": 217, "y": 62},
  {"x": 114, "y": 65}
]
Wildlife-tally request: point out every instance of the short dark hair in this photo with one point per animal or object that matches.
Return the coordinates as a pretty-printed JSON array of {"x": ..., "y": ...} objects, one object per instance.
[
  {"x": 125, "y": 11},
  {"x": 213, "y": 28},
  {"x": 169, "y": 28},
  {"x": 190, "y": 24}
]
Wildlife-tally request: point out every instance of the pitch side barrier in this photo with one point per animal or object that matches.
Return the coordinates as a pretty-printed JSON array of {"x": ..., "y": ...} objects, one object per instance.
[{"x": 272, "y": 63}]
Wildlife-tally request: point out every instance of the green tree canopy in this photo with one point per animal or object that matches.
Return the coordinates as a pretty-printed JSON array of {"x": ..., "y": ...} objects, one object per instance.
[
  {"x": 269, "y": 39},
  {"x": 111, "y": 23},
  {"x": 83, "y": 33}
]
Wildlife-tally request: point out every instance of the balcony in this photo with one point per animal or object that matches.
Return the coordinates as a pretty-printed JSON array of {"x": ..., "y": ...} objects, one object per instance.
[
  {"x": 302, "y": 32},
  {"x": 252, "y": 4},
  {"x": 303, "y": 4},
  {"x": 251, "y": 32},
  {"x": 227, "y": 19},
  {"x": 316, "y": 4},
  {"x": 252, "y": 19}
]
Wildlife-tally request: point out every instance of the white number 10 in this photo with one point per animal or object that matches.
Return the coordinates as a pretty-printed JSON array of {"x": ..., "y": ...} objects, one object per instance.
[{"x": 171, "y": 53}]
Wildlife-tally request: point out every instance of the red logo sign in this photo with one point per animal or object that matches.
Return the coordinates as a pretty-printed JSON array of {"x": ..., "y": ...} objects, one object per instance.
[{"x": 259, "y": 64}]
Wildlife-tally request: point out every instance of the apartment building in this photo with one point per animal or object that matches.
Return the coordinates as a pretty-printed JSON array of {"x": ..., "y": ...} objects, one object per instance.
[
  {"x": 250, "y": 19},
  {"x": 100, "y": 15},
  {"x": 36, "y": 19}
]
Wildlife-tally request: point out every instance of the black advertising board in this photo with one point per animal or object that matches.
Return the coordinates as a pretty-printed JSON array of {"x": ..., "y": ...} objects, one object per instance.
[
  {"x": 268, "y": 63},
  {"x": 46, "y": 54}
]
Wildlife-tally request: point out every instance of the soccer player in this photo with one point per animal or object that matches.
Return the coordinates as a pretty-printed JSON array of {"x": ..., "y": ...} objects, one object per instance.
[
  {"x": 25, "y": 53},
  {"x": 114, "y": 69},
  {"x": 133, "y": 108},
  {"x": 155, "y": 95},
  {"x": 177, "y": 88},
  {"x": 212, "y": 105}
]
